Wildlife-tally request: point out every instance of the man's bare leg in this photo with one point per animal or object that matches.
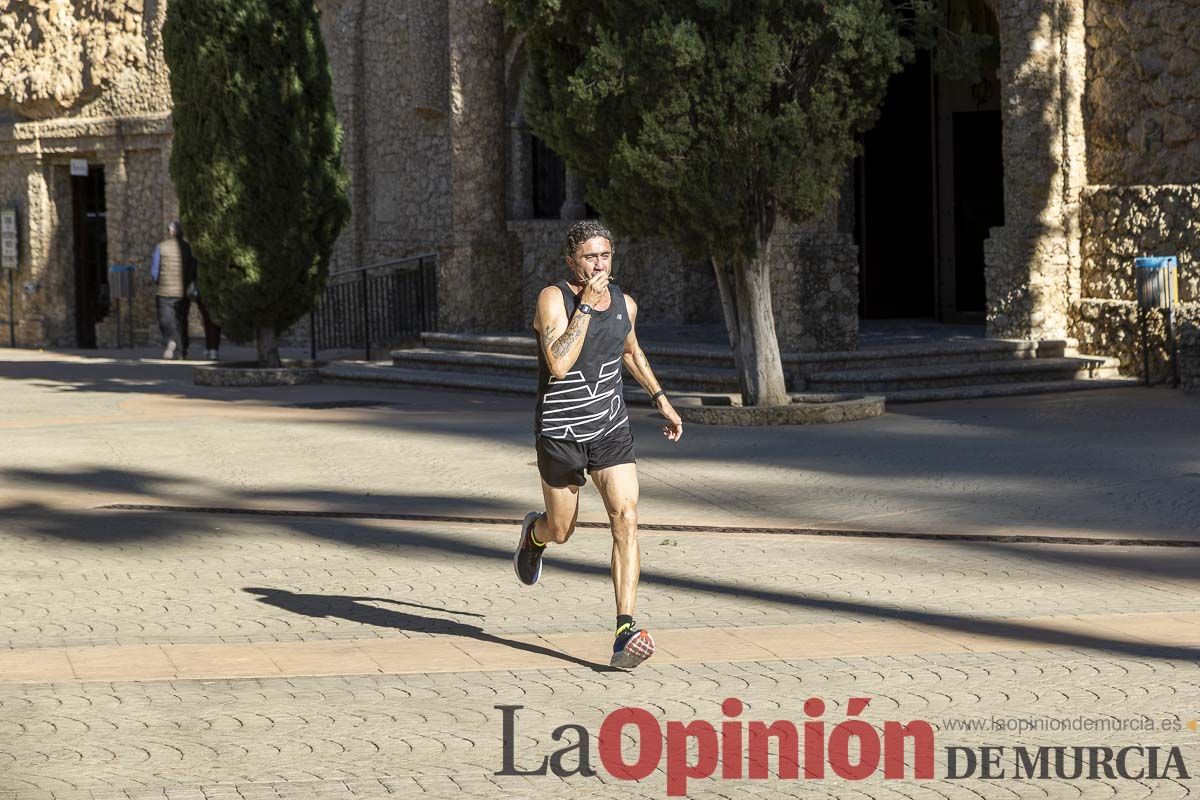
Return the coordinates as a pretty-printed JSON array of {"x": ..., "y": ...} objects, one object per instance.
[
  {"x": 562, "y": 512},
  {"x": 538, "y": 530},
  {"x": 619, "y": 489}
]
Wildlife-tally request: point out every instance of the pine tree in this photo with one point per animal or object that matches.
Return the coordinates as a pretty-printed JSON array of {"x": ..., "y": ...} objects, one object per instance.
[
  {"x": 705, "y": 121},
  {"x": 256, "y": 159}
]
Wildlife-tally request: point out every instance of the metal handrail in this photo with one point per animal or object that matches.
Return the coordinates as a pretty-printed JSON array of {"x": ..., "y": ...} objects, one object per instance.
[
  {"x": 421, "y": 258},
  {"x": 402, "y": 300}
]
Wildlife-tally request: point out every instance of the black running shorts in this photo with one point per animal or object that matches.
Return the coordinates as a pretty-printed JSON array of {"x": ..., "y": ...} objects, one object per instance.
[{"x": 561, "y": 462}]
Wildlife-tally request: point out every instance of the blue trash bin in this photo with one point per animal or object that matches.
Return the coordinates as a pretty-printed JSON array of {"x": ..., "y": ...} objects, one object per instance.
[
  {"x": 1157, "y": 281},
  {"x": 1158, "y": 288}
]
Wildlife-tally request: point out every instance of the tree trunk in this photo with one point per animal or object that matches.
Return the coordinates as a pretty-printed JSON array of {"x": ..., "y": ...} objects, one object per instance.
[
  {"x": 268, "y": 349},
  {"x": 759, "y": 363},
  {"x": 729, "y": 307}
]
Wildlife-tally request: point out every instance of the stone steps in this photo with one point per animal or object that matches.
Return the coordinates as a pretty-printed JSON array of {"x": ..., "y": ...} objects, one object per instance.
[
  {"x": 1006, "y": 390},
  {"x": 796, "y": 364},
  {"x": 674, "y": 378},
  {"x": 716, "y": 356},
  {"x": 925, "y": 354},
  {"x": 385, "y": 374},
  {"x": 944, "y": 369},
  {"x": 934, "y": 376}
]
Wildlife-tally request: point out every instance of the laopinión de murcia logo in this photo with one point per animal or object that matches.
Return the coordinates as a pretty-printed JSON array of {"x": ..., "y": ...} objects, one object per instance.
[{"x": 853, "y": 749}]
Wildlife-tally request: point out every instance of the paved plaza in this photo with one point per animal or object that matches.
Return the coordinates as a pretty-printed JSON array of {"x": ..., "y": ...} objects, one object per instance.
[{"x": 307, "y": 592}]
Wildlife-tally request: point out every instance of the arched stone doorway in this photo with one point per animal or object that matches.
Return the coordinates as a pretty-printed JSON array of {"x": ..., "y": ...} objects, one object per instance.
[
  {"x": 929, "y": 187},
  {"x": 1031, "y": 260},
  {"x": 539, "y": 185}
]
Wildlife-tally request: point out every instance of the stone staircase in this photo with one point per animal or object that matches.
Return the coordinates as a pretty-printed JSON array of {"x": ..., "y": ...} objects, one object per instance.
[{"x": 934, "y": 370}]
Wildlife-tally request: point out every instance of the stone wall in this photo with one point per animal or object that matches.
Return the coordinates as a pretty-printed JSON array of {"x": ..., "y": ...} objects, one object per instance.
[
  {"x": 814, "y": 288},
  {"x": 814, "y": 280},
  {"x": 1143, "y": 100},
  {"x": 402, "y": 160},
  {"x": 1189, "y": 358},
  {"x": 82, "y": 57},
  {"x": 1120, "y": 224},
  {"x": 35, "y": 179},
  {"x": 668, "y": 290}
]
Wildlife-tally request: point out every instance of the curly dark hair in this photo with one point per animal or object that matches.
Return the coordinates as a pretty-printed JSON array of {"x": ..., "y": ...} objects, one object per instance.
[{"x": 583, "y": 230}]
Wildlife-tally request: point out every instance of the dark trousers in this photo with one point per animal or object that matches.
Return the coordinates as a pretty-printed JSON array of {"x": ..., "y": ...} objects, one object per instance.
[
  {"x": 212, "y": 331},
  {"x": 172, "y": 321}
]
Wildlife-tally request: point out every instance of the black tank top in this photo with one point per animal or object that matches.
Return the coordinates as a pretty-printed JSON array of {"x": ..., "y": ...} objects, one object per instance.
[{"x": 588, "y": 402}]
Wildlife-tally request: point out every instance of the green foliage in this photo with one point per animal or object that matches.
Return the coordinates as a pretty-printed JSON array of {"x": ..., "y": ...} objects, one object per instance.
[
  {"x": 961, "y": 51},
  {"x": 256, "y": 158},
  {"x": 702, "y": 120}
]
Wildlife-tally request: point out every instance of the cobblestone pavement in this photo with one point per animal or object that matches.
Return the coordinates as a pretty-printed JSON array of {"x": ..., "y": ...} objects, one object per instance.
[
  {"x": 956, "y": 633},
  {"x": 431, "y": 734},
  {"x": 138, "y": 578}
]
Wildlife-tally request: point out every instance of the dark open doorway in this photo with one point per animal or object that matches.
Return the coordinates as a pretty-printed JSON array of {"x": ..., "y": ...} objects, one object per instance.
[
  {"x": 978, "y": 206},
  {"x": 549, "y": 180},
  {"x": 895, "y": 227},
  {"x": 91, "y": 254},
  {"x": 930, "y": 187}
]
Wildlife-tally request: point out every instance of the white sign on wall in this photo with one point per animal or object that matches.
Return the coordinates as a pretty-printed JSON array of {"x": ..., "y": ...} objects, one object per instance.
[
  {"x": 79, "y": 167},
  {"x": 8, "y": 239}
]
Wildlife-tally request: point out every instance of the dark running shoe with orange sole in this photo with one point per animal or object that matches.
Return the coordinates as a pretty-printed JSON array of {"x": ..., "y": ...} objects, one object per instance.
[{"x": 631, "y": 648}]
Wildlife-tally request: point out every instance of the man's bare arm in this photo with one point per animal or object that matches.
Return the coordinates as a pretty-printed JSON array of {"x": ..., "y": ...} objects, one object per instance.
[
  {"x": 635, "y": 360},
  {"x": 639, "y": 366},
  {"x": 563, "y": 345},
  {"x": 561, "y": 341}
]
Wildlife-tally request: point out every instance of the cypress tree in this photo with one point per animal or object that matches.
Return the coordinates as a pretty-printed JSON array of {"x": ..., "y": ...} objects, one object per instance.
[{"x": 256, "y": 159}]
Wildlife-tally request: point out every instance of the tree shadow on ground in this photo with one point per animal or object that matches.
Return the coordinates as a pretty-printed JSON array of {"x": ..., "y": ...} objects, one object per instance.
[
  {"x": 168, "y": 491},
  {"x": 358, "y": 609},
  {"x": 409, "y": 543}
]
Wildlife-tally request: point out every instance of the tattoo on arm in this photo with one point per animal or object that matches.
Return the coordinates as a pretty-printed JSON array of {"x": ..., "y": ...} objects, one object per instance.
[
  {"x": 561, "y": 347},
  {"x": 640, "y": 367}
]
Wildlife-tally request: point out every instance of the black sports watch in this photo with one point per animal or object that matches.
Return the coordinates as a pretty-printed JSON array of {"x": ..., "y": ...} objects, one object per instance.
[{"x": 584, "y": 308}]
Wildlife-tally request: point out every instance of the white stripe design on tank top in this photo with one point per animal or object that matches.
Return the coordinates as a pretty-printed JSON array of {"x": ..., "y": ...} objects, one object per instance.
[{"x": 555, "y": 423}]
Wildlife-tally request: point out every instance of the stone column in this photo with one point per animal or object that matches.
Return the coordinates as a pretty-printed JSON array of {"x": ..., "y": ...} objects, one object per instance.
[
  {"x": 34, "y": 224},
  {"x": 479, "y": 275},
  {"x": 117, "y": 221},
  {"x": 574, "y": 206},
  {"x": 1033, "y": 260}
]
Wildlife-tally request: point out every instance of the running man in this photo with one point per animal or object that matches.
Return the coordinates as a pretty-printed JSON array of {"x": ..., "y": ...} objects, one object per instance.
[{"x": 585, "y": 328}]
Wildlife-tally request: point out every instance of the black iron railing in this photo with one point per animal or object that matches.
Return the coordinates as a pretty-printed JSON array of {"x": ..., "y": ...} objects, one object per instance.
[{"x": 377, "y": 305}]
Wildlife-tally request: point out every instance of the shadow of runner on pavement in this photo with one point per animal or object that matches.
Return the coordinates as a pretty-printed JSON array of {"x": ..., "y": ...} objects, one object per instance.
[{"x": 357, "y": 609}]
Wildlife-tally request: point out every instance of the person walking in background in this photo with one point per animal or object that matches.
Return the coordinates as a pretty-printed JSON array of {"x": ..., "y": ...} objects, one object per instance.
[
  {"x": 212, "y": 332},
  {"x": 173, "y": 269}
]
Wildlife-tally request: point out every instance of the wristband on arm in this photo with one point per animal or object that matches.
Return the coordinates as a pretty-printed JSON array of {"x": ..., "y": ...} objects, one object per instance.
[{"x": 654, "y": 397}]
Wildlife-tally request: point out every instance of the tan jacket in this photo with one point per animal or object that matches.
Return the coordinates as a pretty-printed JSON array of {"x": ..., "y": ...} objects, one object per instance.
[{"x": 176, "y": 267}]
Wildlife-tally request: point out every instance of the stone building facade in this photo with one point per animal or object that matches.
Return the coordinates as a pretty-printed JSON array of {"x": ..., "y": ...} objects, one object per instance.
[
  {"x": 82, "y": 80},
  {"x": 1093, "y": 149}
]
